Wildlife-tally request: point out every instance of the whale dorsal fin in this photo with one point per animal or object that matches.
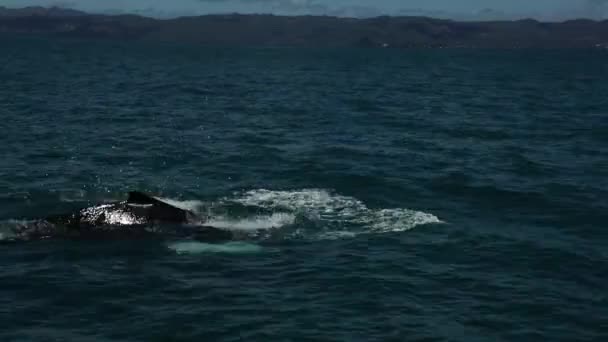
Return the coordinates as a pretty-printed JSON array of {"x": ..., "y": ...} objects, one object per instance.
[
  {"x": 137, "y": 197},
  {"x": 160, "y": 210}
]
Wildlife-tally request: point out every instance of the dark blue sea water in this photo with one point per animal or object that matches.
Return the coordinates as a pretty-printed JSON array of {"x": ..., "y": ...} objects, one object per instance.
[{"x": 395, "y": 195}]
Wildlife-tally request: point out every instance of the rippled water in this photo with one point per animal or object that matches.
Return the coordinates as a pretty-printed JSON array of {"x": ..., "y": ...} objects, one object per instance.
[{"x": 394, "y": 194}]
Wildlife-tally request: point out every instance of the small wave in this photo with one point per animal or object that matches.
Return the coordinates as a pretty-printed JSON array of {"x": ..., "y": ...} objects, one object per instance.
[
  {"x": 336, "y": 235},
  {"x": 394, "y": 220},
  {"x": 8, "y": 228},
  {"x": 191, "y": 247},
  {"x": 72, "y": 196}
]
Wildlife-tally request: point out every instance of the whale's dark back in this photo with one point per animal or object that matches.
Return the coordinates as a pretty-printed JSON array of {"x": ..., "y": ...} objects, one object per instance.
[
  {"x": 141, "y": 208},
  {"x": 139, "y": 215}
]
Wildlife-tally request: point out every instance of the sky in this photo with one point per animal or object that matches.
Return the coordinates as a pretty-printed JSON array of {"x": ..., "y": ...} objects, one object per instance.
[{"x": 547, "y": 10}]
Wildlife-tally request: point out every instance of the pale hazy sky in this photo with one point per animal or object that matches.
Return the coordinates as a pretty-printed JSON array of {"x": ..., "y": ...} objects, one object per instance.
[{"x": 458, "y": 9}]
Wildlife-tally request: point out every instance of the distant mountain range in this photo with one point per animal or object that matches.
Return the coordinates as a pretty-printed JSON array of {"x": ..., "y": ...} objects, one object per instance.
[
  {"x": 271, "y": 30},
  {"x": 40, "y": 11}
]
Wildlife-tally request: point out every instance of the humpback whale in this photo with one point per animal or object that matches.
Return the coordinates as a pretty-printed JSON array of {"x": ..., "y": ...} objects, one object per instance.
[{"x": 139, "y": 215}]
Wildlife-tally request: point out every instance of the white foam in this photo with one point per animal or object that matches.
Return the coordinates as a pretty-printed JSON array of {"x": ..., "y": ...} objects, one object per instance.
[
  {"x": 308, "y": 199},
  {"x": 192, "y": 247},
  {"x": 260, "y": 222},
  {"x": 321, "y": 205},
  {"x": 122, "y": 218}
]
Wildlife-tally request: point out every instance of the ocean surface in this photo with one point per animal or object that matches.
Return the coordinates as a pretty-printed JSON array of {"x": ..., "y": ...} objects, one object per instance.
[{"x": 390, "y": 195}]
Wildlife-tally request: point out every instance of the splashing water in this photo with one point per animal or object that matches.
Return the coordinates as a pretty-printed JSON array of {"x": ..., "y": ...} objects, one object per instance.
[
  {"x": 191, "y": 205},
  {"x": 276, "y": 220},
  {"x": 337, "y": 211}
]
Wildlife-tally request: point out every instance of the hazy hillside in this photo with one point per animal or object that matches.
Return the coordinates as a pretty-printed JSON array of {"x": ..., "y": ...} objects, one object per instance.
[{"x": 308, "y": 30}]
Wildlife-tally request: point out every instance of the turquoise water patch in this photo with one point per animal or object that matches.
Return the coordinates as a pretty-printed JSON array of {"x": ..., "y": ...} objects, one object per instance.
[{"x": 193, "y": 247}]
